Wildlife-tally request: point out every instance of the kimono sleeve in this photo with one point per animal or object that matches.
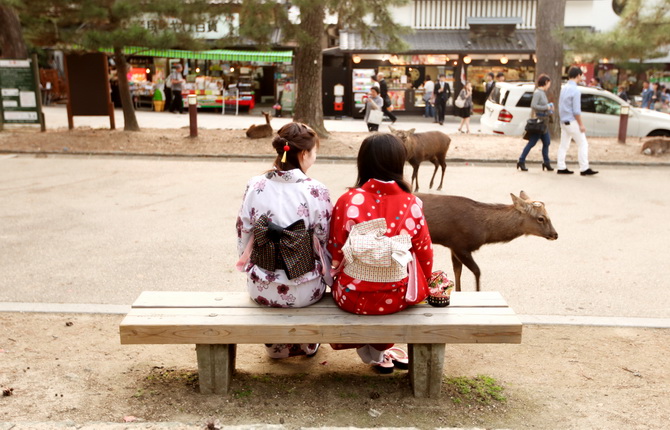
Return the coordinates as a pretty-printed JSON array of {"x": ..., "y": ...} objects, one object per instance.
[
  {"x": 244, "y": 224},
  {"x": 338, "y": 232},
  {"x": 422, "y": 245},
  {"x": 322, "y": 213}
]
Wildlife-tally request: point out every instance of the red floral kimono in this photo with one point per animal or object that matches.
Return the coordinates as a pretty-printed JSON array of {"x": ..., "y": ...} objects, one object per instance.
[{"x": 404, "y": 215}]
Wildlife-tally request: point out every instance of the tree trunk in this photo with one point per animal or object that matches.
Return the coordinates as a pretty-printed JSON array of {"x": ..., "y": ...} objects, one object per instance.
[
  {"x": 11, "y": 36},
  {"x": 550, "y": 20},
  {"x": 308, "y": 69},
  {"x": 129, "y": 118}
]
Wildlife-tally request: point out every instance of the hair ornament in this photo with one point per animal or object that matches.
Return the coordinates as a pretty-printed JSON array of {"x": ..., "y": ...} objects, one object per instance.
[{"x": 286, "y": 149}]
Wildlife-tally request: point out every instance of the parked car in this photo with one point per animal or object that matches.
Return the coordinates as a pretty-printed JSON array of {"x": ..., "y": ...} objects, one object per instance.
[{"x": 508, "y": 108}]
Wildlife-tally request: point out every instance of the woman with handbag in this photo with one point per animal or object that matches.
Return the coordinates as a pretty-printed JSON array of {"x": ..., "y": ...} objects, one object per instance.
[
  {"x": 373, "y": 109},
  {"x": 541, "y": 109},
  {"x": 282, "y": 230},
  {"x": 463, "y": 105},
  {"x": 381, "y": 247}
]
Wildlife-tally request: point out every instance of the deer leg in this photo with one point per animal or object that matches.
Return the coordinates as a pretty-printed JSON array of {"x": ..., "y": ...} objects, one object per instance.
[
  {"x": 415, "y": 177},
  {"x": 443, "y": 163},
  {"x": 466, "y": 258},
  {"x": 434, "y": 161},
  {"x": 458, "y": 269}
]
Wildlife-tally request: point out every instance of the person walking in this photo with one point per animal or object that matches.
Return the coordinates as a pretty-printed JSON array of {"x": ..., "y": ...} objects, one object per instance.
[
  {"x": 177, "y": 80},
  {"x": 489, "y": 85},
  {"x": 442, "y": 94},
  {"x": 464, "y": 107},
  {"x": 572, "y": 127},
  {"x": 373, "y": 102},
  {"x": 540, "y": 108},
  {"x": 428, "y": 88},
  {"x": 647, "y": 94},
  {"x": 384, "y": 93},
  {"x": 623, "y": 93}
]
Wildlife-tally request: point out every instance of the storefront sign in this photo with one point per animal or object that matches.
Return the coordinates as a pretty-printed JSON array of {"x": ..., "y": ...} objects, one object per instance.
[
  {"x": 19, "y": 93},
  {"x": 218, "y": 28}
]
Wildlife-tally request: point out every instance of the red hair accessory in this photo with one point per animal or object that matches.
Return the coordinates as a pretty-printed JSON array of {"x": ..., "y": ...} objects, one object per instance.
[{"x": 286, "y": 149}]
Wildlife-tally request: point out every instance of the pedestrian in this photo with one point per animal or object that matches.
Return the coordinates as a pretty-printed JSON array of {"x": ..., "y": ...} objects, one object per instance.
[
  {"x": 442, "y": 95},
  {"x": 464, "y": 107},
  {"x": 428, "y": 88},
  {"x": 595, "y": 83},
  {"x": 177, "y": 80},
  {"x": 286, "y": 270},
  {"x": 647, "y": 94},
  {"x": 543, "y": 109},
  {"x": 500, "y": 77},
  {"x": 382, "y": 207},
  {"x": 489, "y": 85},
  {"x": 623, "y": 93},
  {"x": 373, "y": 102},
  {"x": 572, "y": 127},
  {"x": 656, "y": 97},
  {"x": 384, "y": 93}
]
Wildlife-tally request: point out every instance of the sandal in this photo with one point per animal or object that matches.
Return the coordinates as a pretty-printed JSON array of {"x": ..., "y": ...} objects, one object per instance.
[
  {"x": 399, "y": 357},
  {"x": 386, "y": 366}
]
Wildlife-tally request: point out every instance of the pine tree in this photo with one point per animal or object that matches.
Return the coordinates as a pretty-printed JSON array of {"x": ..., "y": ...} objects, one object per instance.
[
  {"x": 642, "y": 33},
  {"x": 371, "y": 18},
  {"x": 12, "y": 44},
  {"x": 114, "y": 24}
]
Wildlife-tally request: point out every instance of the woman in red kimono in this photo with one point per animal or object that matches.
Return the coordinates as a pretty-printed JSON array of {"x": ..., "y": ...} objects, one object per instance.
[{"x": 380, "y": 204}]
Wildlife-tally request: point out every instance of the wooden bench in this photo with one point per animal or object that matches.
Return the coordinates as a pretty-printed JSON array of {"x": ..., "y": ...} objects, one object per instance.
[{"x": 217, "y": 322}]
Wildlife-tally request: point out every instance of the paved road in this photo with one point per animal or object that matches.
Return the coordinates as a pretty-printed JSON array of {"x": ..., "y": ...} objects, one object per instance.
[{"x": 101, "y": 230}]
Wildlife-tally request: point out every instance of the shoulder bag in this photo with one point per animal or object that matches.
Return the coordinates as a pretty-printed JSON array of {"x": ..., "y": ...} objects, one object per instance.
[{"x": 375, "y": 116}]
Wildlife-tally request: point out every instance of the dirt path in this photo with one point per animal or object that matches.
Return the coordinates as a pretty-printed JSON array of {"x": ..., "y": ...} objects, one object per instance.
[{"x": 72, "y": 367}]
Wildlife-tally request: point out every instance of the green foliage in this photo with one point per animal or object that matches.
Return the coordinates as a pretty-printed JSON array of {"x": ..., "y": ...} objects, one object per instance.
[
  {"x": 113, "y": 23},
  {"x": 481, "y": 389},
  {"x": 642, "y": 33}
]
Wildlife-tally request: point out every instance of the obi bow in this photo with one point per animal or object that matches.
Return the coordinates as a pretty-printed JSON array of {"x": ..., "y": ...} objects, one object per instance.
[{"x": 289, "y": 248}]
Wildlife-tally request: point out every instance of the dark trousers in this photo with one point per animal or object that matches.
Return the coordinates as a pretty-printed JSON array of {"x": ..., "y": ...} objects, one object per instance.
[
  {"x": 440, "y": 107},
  {"x": 168, "y": 97},
  {"x": 386, "y": 111},
  {"x": 546, "y": 140},
  {"x": 177, "y": 102}
]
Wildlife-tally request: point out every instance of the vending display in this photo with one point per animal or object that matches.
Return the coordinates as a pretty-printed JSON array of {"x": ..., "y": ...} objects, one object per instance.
[{"x": 361, "y": 84}]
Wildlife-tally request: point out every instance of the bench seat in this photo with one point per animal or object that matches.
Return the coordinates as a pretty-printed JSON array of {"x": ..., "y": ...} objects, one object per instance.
[{"x": 217, "y": 321}]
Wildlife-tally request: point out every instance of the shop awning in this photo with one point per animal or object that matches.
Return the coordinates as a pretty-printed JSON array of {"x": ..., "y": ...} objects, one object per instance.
[
  {"x": 214, "y": 54},
  {"x": 447, "y": 41}
]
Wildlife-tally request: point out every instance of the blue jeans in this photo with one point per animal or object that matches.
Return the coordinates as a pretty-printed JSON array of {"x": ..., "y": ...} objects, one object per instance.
[
  {"x": 546, "y": 140},
  {"x": 429, "y": 110}
]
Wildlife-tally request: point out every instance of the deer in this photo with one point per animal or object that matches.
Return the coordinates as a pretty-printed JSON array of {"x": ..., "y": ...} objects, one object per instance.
[
  {"x": 260, "y": 131},
  {"x": 428, "y": 146},
  {"x": 464, "y": 225}
]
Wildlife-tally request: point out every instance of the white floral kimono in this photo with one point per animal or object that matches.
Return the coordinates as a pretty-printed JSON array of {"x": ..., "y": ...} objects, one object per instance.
[{"x": 286, "y": 197}]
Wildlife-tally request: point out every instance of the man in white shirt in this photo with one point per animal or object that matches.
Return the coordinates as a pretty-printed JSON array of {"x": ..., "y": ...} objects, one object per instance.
[{"x": 177, "y": 80}]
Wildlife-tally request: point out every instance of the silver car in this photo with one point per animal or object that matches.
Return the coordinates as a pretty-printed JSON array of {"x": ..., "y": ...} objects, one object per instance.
[{"x": 508, "y": 108}]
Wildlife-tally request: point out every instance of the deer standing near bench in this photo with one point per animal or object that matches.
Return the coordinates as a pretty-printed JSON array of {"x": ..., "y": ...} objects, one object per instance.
[
  {"x": 464, "y": 225},
  {"x": 260, "y": 131},
  {"x": 429, "y": 146}
]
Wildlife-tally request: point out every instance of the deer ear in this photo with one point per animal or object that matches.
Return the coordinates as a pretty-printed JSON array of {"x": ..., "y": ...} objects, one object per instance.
[
  {"x": 392, "y": 129},
  {"x": 524, "y": 196},
  {"x": 411, "y": 130},
  {"x": 519, "y": 204}
]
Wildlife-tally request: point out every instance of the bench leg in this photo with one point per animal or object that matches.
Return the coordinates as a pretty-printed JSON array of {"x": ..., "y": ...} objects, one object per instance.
[
  {"x": 426, "y": 362},
  {"x": 216, "y": 364}
]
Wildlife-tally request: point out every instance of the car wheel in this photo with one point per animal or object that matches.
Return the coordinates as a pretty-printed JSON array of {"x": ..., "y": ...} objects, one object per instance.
[{"x": 659, "y": 133}]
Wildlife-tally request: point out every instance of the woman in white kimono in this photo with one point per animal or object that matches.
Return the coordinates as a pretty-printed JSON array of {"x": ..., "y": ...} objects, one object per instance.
[{"x": 281, "y": 205}]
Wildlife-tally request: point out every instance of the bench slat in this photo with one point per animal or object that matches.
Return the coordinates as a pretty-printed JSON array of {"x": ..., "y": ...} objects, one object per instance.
[
  {"x": 201, "y": 299},
  {"x": 176, "y": 326}
]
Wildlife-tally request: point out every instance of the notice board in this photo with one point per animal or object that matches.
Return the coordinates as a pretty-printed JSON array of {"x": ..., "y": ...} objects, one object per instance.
[
  {"x": 88, "y": 86},
  {"x": 20, "y": 95}
]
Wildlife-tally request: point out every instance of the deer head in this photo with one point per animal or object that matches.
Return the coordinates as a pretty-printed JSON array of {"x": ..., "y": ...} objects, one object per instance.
[
  {"x": 536, "y": 220},
  {"x": 406, "y": 137}
]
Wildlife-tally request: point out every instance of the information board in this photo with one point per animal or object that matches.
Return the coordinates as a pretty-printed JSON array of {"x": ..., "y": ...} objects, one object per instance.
[{"x": 20, "y": 97}]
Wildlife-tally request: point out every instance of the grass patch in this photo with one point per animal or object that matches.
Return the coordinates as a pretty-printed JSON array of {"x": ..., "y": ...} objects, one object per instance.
[{"x": 480, "y": 389}]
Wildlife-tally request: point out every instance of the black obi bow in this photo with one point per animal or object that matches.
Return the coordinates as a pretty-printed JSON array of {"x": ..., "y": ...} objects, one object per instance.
[{"x": 287, "y": 248}]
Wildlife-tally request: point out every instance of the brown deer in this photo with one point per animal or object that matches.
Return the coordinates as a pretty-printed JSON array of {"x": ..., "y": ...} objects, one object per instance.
[
  {"x": 464, "y": 225},
  {"x": 429, "y": 146},
  {"x": 260, "y": 131}
]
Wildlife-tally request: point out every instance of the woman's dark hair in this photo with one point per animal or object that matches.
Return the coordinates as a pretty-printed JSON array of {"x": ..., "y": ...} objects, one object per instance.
[
  {"x": 298, "y": 137},
  {"x": 376, "y": 89},
  {"x": 542, "y": 80},
  {"x": 382, "y": 156}
]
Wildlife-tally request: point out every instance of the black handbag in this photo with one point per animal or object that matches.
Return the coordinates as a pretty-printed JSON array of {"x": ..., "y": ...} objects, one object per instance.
[{"x": 536, "y": 126}]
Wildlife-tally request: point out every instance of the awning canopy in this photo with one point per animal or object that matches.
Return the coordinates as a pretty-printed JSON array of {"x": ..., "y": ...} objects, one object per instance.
[
  {"x": 214, "y": 54},
  {"x": 447, "y": 41}
]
